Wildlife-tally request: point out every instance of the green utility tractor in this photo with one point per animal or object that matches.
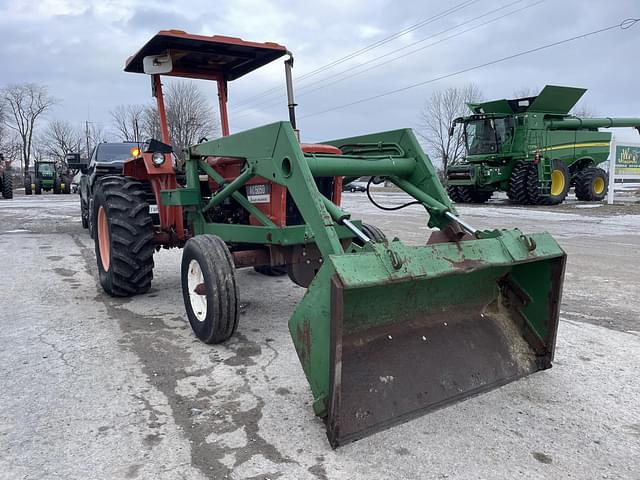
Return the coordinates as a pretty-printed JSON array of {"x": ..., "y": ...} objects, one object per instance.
[
  {"x": 6, "y": 181},
  {"x": 47, "y": 177},
  {"x": 385, "y": 331},
  {"x": 533, "y": 149}
]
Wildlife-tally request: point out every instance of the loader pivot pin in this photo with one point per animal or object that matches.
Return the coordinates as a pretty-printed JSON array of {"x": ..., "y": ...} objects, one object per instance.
[{"x": 470, "y": 229}]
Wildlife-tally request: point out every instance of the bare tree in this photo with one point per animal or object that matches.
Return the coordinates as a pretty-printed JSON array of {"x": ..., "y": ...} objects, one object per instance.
[
  {"x": 437, "y": 115},
  {"x": 583, "y": 110},
  {"x": 149, "y": 124},
  {"x": 23, "y": 104},
  {"x": 524, "y": 92},
  {"x": 127, "y": 120},
  {"x": 58, "y": 139},
  {"x": 189, "y": 115}
]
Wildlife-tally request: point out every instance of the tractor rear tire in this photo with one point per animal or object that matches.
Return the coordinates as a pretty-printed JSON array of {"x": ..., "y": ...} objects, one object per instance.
[
  {"x": 7, "y": 186},
  {"x": 124, "y": 240},
  {"x": 57, "y": 186},
  {"x": 209, "y": 288},
  {"x": 27, "y": 185},
  {"x": 560, "y": 184},
  {"x": 518, "y": 192},
  {"x": 592, "y": 184},
  {"x": 270, "y": 271},
  {"x": 66, "y": 185},
  {"x": 38, "y": 188}
]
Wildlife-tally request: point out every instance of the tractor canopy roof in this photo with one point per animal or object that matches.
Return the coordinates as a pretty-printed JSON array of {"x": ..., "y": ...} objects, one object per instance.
[
  {"x": 201, "y": 56},
  {"x": 552, "y": 99}
]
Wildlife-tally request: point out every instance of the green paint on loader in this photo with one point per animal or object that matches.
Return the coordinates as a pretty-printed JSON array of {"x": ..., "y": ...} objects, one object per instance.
[
  {"x": 533, "y": 149},
  {"x": 385, "y": 331},
  {"x": 388, "y": 331}
]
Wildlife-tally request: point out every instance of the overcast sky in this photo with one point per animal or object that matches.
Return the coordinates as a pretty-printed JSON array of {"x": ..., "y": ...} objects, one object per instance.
[{"x": 78, "y": 48}]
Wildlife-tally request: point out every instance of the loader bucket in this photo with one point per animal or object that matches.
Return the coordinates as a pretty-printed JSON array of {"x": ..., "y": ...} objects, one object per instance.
[{"x": 387, "y": 334}]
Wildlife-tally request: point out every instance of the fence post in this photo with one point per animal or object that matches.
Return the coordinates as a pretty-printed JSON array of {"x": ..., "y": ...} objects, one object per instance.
[{"x": 612, "y": 170}]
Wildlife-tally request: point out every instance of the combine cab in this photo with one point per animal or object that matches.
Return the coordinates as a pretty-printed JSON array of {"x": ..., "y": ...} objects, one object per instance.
[{"x": 385, "y": 331}]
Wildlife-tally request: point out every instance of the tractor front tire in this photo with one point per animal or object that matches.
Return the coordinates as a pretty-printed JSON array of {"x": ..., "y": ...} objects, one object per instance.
[
  {"x": 38, "y": 188},
  {"x": 591, "y": 184},
  {"x": 209, "y": 288},
  {"x": 373, "y": 232},
  {"x": 124, "y": 241},
  {"x": 7, "y": 186},
  {"x": 518, "y": 192}
]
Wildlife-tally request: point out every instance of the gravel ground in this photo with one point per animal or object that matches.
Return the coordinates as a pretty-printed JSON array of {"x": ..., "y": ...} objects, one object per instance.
[{"x": 102, "y": 388}]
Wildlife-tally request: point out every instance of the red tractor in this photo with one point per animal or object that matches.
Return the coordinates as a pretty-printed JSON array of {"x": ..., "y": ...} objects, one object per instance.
[{"x": 473, "y": 309}]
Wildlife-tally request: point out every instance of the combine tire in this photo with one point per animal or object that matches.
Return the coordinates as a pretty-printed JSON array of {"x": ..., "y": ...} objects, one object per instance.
[
  {"x": 38, "y": 188},
  {"x": 27, "y": 185},
  {"x": 560, "y": 183},
  {"x": 470, "y": 194},
  {"x": 7, "y": 186},
  {"x": 57, "y": 186},
  {"x": 591, "y": 184},
  {"x": 454, "y": 194},
  {"x": 123, "y": 236},
  {"x": 517, "y": 191},
  {"x": 209, "y": 288},
  {"x": 271, "y": 271}
]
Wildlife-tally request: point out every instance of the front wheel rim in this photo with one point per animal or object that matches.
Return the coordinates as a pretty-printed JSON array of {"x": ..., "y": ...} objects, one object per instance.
[
  {"x": 103, "y": 239},
  {"x": 198, "y": 301}
]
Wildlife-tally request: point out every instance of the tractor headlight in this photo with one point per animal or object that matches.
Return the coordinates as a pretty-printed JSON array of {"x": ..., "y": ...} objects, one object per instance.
[{"x": 157, "y": 159}]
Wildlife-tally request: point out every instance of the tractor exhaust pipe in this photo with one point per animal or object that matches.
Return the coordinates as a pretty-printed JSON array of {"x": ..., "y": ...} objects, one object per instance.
[{"x": 288, "y": 65}]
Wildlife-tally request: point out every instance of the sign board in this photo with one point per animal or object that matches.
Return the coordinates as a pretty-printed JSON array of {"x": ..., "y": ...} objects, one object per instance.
[
  {"x": 627, "y": 160},
  {"x": 624, "y": 167}
]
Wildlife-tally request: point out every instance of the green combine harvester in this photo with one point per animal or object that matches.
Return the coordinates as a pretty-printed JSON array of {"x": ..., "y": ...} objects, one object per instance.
[
  {"x": 533, "y": 149},
  {"x": 385, "y": 331}
]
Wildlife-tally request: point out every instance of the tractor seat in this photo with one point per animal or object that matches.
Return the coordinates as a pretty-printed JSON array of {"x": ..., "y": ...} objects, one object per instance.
[{"x": 320, "y": 148}]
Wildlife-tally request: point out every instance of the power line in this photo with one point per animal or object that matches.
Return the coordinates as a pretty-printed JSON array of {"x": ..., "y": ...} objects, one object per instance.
[
  {"x": 625, "y": 24},
  {"x": 369, "y": 47},
  {"x": 346, "y": 74}
]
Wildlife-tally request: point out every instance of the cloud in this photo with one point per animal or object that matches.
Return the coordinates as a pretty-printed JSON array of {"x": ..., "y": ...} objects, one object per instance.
[{"x": 78, "y": 49}]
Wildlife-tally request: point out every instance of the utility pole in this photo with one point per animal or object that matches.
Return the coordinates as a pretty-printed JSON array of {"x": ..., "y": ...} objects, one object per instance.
[{"x": 86, "y": 131}]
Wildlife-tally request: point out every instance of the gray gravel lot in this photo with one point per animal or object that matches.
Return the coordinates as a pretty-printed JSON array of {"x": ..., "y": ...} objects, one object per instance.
[{"x": 102, "y": 388}]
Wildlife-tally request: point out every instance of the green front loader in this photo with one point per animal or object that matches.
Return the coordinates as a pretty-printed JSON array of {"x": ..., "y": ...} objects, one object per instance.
[
  {"x": 385, "y": 331},
  {"x": 532, "y": 149}
]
